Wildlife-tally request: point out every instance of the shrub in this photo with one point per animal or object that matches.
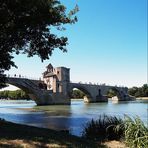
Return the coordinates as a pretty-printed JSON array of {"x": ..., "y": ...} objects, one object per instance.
[
  {"x": 136, "y": 133},
  {"x": 132, "y": 130},
  {"x": 103, "y": 129}
]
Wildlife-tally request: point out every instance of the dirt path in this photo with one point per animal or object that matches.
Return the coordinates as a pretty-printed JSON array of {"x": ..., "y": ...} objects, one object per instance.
[{"x": 114, "y": 144}]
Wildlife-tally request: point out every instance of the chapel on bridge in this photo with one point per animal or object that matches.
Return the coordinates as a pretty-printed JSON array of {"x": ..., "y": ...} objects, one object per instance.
[{"x": 56, "y": 78}]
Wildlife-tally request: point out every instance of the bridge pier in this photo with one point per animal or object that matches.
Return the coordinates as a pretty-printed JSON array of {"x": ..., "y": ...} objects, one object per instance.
[
  {"x": 102, "y": 98},
  {"x": 46, "y": 98},
  {"x": 123, "y": 98},
  {"x": 95, "y": 99}
]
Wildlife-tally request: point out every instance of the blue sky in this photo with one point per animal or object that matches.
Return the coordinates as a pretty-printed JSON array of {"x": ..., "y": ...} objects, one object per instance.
[{"x": 108, "y": 44}]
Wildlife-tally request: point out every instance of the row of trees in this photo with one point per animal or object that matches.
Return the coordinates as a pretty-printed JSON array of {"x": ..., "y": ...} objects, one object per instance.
[
  {"x": 14, "y": 95},
  {"x": 134, "y": 91},
  {"x": 139, "y": 91}
]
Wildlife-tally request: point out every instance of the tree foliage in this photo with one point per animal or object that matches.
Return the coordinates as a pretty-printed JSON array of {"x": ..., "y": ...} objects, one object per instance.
[
  {"x": 26, "y": 27},
  {"x": 14, "y": 95},
  {"x": 77, "y": 94},
  {"x": 111, "y": 93},
  {"x": 139, "y": 91}
]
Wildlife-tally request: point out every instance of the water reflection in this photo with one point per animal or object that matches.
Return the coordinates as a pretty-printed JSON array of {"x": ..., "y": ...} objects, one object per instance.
[{"x": 64, "y": 117}]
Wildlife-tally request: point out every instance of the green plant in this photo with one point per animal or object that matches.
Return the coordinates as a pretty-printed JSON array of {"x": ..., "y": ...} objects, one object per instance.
[
  {"x": 136, "y": 133},
  {"x": 103, "y": 129},
  {"x": 132, "y": 130}
]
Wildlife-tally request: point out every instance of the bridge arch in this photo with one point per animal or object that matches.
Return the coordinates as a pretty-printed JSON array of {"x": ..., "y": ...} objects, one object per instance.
[
  {"x": 120, "y": 94},
  {"x": 87, "y": 97},
  {"x": 26, "y": 85}
]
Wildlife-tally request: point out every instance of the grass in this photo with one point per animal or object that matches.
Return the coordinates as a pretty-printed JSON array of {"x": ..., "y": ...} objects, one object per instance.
[
  {"x": 135, "y": 132},
  {"x": 131, "y": 130},
  {"x": 102, "y": 129},
  {"x": 39, "y": 137}
]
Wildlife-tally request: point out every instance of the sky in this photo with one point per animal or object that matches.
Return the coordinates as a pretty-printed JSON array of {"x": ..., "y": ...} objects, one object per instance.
[{"x": 107, "y": 45}]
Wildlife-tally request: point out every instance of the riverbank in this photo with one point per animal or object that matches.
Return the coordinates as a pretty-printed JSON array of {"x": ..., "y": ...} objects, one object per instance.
[
  {"x": 142, "y": 98},
  {"x": 17, "y": 135}
]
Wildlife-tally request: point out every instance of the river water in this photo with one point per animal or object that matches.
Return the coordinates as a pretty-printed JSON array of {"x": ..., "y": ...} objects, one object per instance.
[{"x": 64, "y": 117}]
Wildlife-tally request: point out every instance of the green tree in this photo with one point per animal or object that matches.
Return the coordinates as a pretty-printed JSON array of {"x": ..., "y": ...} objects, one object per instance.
[
  {"x": 133, "y": 90},
  {"x": 76, "y": 93},
  {"x": 111, "y": 93},
  {"x": 145, "y": 90},
  {"x": 26, "y": 27},
  {"x": 17, "y": 95},
  {"x": 139, "y": 91}
]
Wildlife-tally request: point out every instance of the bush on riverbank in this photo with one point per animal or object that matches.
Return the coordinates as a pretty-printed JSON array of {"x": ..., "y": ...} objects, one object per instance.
[
  {"x": 135, "y": 132},
  {"x": 102, "y": 129},
  {"x": 132, "y": 131}
]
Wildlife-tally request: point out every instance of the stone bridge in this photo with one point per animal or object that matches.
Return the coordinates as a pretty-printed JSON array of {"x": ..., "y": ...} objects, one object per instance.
[
  {"x": 98, "y": 93},
  {"x": 94, "y": 93},
  {"x": 39, "y": 95},
  {"x": 55, "y": 88}
]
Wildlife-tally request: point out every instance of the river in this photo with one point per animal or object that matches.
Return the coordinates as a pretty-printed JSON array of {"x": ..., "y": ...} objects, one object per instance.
[{"x": 64, "y": 117}]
